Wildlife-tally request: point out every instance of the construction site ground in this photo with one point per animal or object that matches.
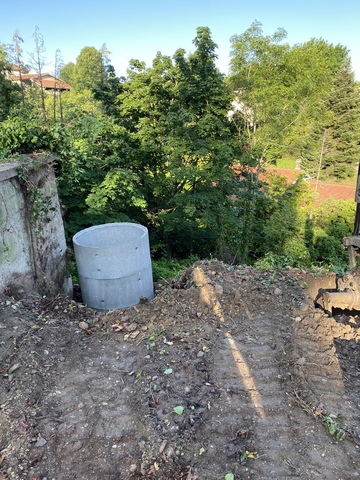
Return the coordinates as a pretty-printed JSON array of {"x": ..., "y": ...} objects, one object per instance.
[{"x": 228, "y": 373}]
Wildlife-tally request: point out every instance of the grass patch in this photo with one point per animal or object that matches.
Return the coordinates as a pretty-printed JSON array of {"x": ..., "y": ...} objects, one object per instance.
[
  {"x": 284, "y": 163},
  {"x": 164, "y": 269}
]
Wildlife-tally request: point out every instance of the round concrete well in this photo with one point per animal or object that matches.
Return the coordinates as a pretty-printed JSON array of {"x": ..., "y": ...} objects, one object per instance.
[{"x": 114, "y": 265}]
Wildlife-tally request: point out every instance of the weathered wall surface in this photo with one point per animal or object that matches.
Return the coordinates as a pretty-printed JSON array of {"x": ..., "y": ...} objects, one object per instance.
[
  {"x": 16, "y": 264},
  {"x": 32, "y": 240}
]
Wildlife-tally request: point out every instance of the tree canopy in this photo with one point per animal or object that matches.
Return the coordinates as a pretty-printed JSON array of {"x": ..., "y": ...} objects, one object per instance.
[
  {"x": 283, "y": 93},
  {"x": 9, "y": 92}
]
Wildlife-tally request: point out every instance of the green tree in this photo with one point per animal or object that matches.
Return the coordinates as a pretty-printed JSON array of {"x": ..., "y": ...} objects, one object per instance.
[
  {"x": 333, "y": 220},
  {"x": 281, "y": 92},
  {"x": 58, "y": 65},
  {"x": 261, "y": 100},
  {"x": 15, "y": 55},
  {"x": 285, "y": 231},
  {"x": 93, "y": 184},
  {"x": 343, "y": 131},
  {"x": 108, "y": 91},
  {"x": 280, "y": 109},
  {"x": 312, "y": 69},
  {"x": 89, "y": 71},
  {"x": 10, "y": 93},
  {"x": 67, "y": 72},
  {"x": 177, "y": 112}
]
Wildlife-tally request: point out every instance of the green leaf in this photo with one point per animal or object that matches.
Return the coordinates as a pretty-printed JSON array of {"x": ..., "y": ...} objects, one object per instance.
[
  {"x": 332, "y": 428},
  {"x": 168, "y": 371},
  {"x": 179, "y": 410},
  {"x": 229, "y": 476},
  {"x": 201, "y": 451}
]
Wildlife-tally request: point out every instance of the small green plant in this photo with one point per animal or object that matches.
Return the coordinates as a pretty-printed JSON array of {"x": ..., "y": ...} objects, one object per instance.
[
  {"x": 271, "y": 261},
  {"x": 333, "y": 428},
  {"x": 332, "y": 425},
  {"x": 229, "y": 476},
  {"x": 164, "y": 269},
  {"x": 153, "y": 338},
  {"x": 179, "y": 410},
  {"x": 40, "y": 205},
  {"x": 246, "y": 455}
]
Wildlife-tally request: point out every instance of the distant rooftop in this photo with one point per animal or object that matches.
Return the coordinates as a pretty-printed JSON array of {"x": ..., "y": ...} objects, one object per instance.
[{"x": 49, "y": 82}]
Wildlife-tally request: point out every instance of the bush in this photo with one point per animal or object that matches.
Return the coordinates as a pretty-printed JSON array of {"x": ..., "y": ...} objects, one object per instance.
[{"x": 164, "y": 269}]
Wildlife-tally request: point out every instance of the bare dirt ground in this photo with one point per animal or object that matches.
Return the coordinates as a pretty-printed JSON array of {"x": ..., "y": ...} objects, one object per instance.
[{"x": 228, "y": 373}]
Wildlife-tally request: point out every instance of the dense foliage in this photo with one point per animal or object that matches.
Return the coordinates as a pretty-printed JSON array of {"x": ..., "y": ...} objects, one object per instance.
[
  {"x": 9, "y": 92},
  {"x": 181, "y": 149}
]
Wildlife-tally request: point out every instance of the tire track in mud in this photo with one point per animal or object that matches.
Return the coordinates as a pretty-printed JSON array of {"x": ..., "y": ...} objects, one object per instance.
[
  {"x": 254, "y": 370},
  {"x": 252, "y": 363},
  {"x": 319, "y": 372}
]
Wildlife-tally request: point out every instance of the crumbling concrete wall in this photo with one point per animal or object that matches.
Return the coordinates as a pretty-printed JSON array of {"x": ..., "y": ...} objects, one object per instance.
[{"x": 32, "y": 239}]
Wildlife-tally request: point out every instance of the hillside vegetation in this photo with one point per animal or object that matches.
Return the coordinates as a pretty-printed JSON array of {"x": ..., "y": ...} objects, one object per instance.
[{"x": 158, "y": 146}]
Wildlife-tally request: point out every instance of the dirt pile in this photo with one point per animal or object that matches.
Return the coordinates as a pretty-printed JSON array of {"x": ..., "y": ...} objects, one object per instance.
[{"x": 228, "y": 373}]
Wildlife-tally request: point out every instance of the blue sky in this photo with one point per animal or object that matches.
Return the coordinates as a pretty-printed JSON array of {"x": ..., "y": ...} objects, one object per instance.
[{"x": 141, "y": 28}]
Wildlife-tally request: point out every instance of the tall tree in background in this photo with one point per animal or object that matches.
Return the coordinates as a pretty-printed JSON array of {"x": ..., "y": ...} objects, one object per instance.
[
  {"x": 89, "y": 71},
  {"x": 260, "y": 114},
  {"x": 311, "y": 68},
  {"x": 58, "y": 65},
  {"x": 105, "y": 52},
  {"x": 67, "y": 72},
  {"x": 344, "y": 129},
  {"x": 281, "y": 91},
  {"x": 9, "y": 91},
  {"x": 261, "y": 107},
  {"x": 16, "y": 58},
  {"x": 37, "y": 61}
]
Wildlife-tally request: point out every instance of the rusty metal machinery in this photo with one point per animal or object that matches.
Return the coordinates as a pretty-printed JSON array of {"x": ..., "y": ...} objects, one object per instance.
[
  {"x": 347, "y": 294},
  {"x": 345, "y": 297}
]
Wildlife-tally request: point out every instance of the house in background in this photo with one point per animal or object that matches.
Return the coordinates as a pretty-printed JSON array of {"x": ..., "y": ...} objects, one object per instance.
[{"x": 49, "y": 82}]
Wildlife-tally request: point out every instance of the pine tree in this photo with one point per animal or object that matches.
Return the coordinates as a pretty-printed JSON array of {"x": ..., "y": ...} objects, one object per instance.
[{"x": 343, "y": 131}]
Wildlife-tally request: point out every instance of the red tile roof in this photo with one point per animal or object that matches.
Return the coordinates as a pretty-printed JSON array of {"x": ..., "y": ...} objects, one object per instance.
[{"x": 48, "y": 81}]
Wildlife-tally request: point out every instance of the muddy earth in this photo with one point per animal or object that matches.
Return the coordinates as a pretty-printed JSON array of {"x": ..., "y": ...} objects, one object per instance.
[{"x": 229, "y": 373}]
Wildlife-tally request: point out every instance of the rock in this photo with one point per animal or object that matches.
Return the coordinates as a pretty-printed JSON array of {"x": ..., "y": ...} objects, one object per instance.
[
  {"x": 17, "y": 291},
  {"x": 237, "y": 295},
  {"x": 169, "y": 452},
  {"x": 40, "y": 442},
  {"x": 132, "y": 327},
  {"x": 301, "y": 361},
  {"x": 218, "y": 289},
  {"x": 13, "y": 368},
  {"x": 277, "y": 291},
  {"x": 303, "y": 307},
  {"x": 83, "y": 325}
]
